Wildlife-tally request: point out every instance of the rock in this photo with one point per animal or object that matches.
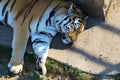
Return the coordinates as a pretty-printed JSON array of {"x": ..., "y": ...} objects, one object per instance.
[{"x": 97, "y": 8}]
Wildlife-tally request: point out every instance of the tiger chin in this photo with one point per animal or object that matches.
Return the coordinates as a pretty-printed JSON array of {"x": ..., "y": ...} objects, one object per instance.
[{"x": 39, "y": 20}]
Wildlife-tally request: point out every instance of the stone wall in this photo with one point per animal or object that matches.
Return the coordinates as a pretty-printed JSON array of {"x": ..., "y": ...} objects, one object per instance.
[{"x": 95, "y": 8}]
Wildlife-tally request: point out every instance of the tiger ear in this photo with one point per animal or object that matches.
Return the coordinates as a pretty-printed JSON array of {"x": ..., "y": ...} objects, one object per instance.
[{"x": 72, "y": 9}]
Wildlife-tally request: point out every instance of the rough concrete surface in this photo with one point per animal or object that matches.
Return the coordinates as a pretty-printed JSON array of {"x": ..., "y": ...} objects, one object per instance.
[
  {"x": 96, "y": 51},
  {"x": 91, "y": 7}
]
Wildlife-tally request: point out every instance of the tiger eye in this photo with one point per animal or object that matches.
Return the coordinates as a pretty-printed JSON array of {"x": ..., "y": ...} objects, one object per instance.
[
  {"x": 79, "y": 20},
  {"x": 75, "y": 24}
]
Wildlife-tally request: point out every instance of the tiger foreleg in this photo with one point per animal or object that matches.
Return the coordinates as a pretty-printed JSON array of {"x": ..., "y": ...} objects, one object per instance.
[
  {"x": 40, "y": 66},
  {"x": 41, "y": 59},
  {"x": 20, "y": 38},
  {"x": 41, "y": 43}
]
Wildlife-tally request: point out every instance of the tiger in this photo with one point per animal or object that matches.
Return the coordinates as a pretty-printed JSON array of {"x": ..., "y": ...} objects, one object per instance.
[{"x": 39, "y": 20}]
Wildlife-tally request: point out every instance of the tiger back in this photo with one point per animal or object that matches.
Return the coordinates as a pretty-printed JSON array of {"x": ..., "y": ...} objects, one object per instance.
[{"x": 21, "y": 11}]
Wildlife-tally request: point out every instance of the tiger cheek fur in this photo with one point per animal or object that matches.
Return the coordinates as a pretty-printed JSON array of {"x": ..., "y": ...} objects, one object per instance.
[{"x": 40, "y": 20}]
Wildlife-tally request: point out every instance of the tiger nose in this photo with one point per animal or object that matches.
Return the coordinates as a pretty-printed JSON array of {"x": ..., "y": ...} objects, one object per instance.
[{"x": 74, "y": 39}]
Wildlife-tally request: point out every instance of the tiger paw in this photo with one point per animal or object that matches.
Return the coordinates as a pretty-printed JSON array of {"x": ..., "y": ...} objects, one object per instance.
[
  {"x": 40, "y": 66},
  {"x": 16, "y": 69}
]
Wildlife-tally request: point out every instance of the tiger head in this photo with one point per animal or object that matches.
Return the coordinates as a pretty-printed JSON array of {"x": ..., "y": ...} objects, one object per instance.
[{"x": 70, "y": 24}]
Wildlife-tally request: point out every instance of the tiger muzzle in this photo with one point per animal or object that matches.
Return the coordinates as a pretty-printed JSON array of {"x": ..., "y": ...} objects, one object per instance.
[{"x": 73, "y": 36}]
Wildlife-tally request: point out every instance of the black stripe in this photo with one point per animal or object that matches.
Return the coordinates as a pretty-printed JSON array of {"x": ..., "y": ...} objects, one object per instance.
[
  {"x": 63, "y": 20},
  {"x": 30, "y": 23},
  {"x": 6, "y": 18},
  {"x": 66, "y": 18},
  {"x": 28, "y": 10},
  {"x": 42, "y": 15},
  {"x": 4, "y": 7},
  {"x": 60, "y": 29},
  {"x": 52, "y": 13},
  {"x": 36, "y": 41},
  {"x": 38, "y": 24},
  {"x": 50, "y": 35},
  {"x": 13, "y": 5},
  {"x": 47, "y": 34},
  {"x": 74, "y": 18},
  {"x": 67, "y": 22}
]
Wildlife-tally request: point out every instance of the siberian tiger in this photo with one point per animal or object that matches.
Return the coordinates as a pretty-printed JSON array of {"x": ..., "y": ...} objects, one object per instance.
[{"x": 40, "y": 20}]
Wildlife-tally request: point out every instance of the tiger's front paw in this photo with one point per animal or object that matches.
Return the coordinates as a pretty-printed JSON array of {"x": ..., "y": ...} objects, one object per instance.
[
  {"x": 16, "y": 69},
  {"x": 40, "y": 65}
]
